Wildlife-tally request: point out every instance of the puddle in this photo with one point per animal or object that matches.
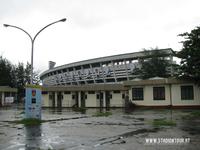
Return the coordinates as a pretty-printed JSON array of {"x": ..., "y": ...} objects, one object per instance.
[{"x": 66, "y": 129}]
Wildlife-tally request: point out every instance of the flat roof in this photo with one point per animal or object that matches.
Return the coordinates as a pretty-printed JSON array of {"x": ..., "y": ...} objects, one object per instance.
[
  {"x": 90, "y": 87},
  {"x": 7, "y": 89},
  {"x": 155, "y": 82}
]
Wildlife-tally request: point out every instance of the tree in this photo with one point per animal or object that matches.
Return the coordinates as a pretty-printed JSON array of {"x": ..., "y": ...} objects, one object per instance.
[
  {"x": 155, "y": 65},
  {"x": 190, "y": 55},
  {"x": 6, "y": 72}
]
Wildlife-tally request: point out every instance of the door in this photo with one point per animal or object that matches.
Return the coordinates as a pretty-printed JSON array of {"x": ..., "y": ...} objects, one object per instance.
[
  {"x": 107, "y": 99},
  {"x": 59, "y": 100},
  {"x": 82, "y": 99}
]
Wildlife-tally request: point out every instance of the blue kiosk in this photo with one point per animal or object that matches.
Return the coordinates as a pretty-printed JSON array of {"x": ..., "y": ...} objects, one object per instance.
[{"x": 33, "y": 102}]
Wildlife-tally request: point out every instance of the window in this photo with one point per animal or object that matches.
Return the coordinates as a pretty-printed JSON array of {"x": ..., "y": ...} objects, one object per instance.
[
  {"x": 67, "y": 92},
  {"x": 123, "y": 96},
  {"x": 117, "y": 91},
  {"x": 159, "y": 93},
  {"x": 33, "y": 100},
  {"x": 44, "y": 92},
  {"x": 187, "y": 92},
  {"x": 50, "y": 96},
  {"x": 137, "y": 94},
  {"x": 91, "y": 92},
  {"x": 97, "y": 96}
]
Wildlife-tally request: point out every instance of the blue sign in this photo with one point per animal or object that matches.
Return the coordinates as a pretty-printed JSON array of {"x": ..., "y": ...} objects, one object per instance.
[{"x": 33, "y": 103}]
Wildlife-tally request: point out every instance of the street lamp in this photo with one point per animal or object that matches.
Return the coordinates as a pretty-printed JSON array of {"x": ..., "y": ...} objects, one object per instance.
[{"x": 33, "y": 39}]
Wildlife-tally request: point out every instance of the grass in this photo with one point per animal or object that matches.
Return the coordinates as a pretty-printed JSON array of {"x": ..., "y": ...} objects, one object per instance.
[
  {"x": 79, "y": 109},
  {"x": 194, "y": 114},
  {"x": 29, "y": 122},
  {"x": 102, "y": 114},
  {"x": 162, "y": 122}
]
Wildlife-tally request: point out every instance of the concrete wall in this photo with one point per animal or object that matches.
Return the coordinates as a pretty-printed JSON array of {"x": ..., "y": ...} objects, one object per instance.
[
  {"x": 91, "y": 100},
  {"x": 116, "y": 100},
  {"x": 176, "y": 96},
  {"x": 172, "y": 96},
  {"x": 45, "y": 100},
  {"x": 148, "y": 96},
  {"x": 67, "y": 100}
]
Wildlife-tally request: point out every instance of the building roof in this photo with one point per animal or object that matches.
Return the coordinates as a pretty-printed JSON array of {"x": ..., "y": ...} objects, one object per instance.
[
  {"x": 155, "y": 81},
  {"x": 91, "y": 87},
  {"x": 7, "y": 89}
]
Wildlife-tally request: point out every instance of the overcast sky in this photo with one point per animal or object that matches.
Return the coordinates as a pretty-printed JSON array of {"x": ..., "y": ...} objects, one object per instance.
[{"x": 94, "y": 28}]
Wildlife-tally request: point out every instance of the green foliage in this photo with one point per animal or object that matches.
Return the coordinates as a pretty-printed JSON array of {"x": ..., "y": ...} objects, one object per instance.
[
  {"x": 29, "y": 122},
  {"x": 102, "y": 114},
  {"x": 6, "y": 73},
  {"x": 79, "y": 109},
  {"x": 33, "y": 86},
  {"x": 16, "y": 76},
  {"x": 162, "y": 122},
  {"x": 195, "y": 113},
  {"x": 190, "y": 55},
  {"x": 153, "y": 66}
]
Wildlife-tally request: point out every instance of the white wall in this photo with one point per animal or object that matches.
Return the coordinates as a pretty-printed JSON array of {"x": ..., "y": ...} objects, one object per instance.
[
  {"x": 67, "y": 100},
  {"x": 91, "y": 100},
  {"x": 116, "y": 100},
  {"x": 148, "y": 96},
  {"x": 45, "y": 100},
  {"x": 176, "y": 96}
]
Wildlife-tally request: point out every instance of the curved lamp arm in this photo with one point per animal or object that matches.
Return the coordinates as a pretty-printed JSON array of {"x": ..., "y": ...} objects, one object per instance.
[
  {"x": 62, "y": 20},
  {"x": 7, "y": 25},
  {"x": 33, "y": 39}
]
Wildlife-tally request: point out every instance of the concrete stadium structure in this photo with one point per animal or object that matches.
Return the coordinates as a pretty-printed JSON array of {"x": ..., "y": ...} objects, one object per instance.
[
  {"x": 111, "y": 69},
  {"x": 111, "y": 82}
]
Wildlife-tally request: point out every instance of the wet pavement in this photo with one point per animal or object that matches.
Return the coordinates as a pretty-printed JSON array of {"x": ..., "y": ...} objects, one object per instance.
[{"x": 67, "y": 129}]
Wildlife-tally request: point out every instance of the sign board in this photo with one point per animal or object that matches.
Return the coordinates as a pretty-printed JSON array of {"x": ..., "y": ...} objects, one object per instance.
[
  {"x": 33, "y": 103},
  {"x": 9, "y": 100}
]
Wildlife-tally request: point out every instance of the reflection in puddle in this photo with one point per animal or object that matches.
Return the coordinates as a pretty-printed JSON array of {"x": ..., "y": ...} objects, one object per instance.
[{"x": 33, "y": 136}]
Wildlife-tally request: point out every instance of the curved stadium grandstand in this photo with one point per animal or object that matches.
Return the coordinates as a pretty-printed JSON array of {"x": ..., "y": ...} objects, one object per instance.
[{"x": 110, "y": 69}]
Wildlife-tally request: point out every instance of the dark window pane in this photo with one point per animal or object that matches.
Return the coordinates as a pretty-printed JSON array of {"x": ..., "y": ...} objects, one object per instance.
[
  {"x": 187, "y": 93},
  {"x": 137, "y": 94},
  {"x": 159, "y": 93}
]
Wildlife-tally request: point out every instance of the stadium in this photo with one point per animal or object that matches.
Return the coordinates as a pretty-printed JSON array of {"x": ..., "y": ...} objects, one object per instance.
[
  {"x": 110, "y": 82},
  {"x": 111, "y": 69}
]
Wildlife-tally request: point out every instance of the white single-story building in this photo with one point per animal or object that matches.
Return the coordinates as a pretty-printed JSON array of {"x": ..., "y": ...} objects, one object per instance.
[
  {"x": 7, "y": 95},
  {"x": 163, "y": 92},
  {"x": 152, "y": 92},
  {"x": 94, "y": 95}
]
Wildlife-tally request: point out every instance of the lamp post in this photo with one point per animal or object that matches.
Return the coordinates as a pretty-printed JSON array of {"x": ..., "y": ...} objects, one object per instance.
[{"x": 33, "y": 39}]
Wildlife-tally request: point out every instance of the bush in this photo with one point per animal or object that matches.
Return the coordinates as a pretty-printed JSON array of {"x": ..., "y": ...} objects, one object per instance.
[
  {"x": 29, "y": 122},
  {"x": 161, "y": 122},
  {"x": 102, "y": 114}
]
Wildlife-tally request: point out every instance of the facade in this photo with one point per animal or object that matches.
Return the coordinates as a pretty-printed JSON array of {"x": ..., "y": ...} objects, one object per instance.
[
  {"x": 110, "y": 82},
  {"x": 164, "y": 92},
  {"x": 96, "y": 95},
  {"x": 7, "y": 95},
  {"x": 155, "y": 92}
]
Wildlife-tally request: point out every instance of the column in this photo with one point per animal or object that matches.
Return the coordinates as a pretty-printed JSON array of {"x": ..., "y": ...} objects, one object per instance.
[
  {"x": 2, "y": 98},
  {"x": 104, "y": 98},
  {"x": 56, "y": 99},
  {"x": 79, "y": 99},
  {"x": 114, "y": 71}
]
